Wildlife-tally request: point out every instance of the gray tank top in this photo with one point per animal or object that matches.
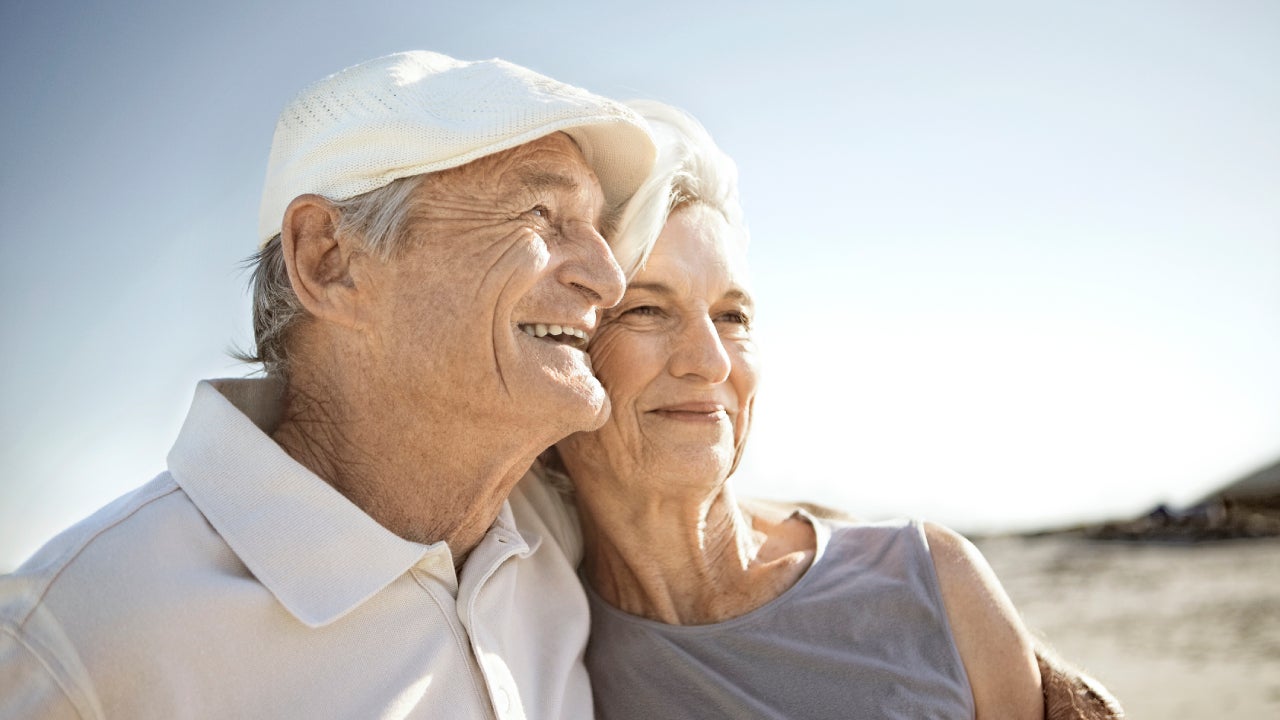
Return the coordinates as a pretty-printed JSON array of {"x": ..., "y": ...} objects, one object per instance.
[{"x": 862, "y": 634}]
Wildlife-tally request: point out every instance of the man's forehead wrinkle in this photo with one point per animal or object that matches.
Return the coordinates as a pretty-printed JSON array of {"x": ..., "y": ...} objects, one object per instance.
[
  {"x": 460, "y": 198},
  {"x": 437, "y": 219},
  {"x": 480, "y": 182}
]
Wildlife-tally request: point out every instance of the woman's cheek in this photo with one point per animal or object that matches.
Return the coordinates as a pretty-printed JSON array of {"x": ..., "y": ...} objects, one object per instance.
[
  {"x": 602, "y": 354},
  {"x": 621, "y": 357}
]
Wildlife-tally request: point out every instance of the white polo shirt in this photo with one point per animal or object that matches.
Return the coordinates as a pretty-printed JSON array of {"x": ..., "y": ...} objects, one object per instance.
[{"x": 240, "y": 585}]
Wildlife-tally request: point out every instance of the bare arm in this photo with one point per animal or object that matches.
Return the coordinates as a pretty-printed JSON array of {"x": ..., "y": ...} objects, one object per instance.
[{"x": 995, "y": 647}]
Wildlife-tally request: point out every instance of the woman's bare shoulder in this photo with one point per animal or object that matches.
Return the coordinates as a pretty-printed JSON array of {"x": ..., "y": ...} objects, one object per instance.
[{"x": 996, "y": 648}]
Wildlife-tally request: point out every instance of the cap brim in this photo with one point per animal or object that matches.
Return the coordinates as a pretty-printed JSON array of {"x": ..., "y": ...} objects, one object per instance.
[{"x": 620, "y": 153}]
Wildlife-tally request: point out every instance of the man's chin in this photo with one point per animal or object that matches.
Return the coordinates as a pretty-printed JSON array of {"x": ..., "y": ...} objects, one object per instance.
[
  {"x": 571, "y": 397},
  {"x": 592, "y": 406},
  {"x": 601, "y": 413}
]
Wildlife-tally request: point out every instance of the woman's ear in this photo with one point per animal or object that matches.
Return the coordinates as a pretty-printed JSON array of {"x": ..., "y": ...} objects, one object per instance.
[{"x": 319, "y": 262}]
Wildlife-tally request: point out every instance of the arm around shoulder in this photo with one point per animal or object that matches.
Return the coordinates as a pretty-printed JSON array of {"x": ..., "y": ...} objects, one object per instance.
[{"x": 995, "y": 647}]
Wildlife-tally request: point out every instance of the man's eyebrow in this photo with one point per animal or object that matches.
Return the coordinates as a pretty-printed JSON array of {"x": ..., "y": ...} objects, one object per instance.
[
  {"x": 538, "y": 181},
  {"x": 542, "y": 180}
]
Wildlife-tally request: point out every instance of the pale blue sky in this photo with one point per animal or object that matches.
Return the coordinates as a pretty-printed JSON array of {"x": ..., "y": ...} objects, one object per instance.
[{"x": 1018, "y": 262}]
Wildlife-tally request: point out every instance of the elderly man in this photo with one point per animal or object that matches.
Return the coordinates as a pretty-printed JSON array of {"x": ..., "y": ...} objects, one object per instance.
[{"x": 336, "y": 540}]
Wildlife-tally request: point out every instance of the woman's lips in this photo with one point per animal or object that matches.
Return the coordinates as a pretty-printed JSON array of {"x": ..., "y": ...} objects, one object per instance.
[{"x": 693, "y": 412}]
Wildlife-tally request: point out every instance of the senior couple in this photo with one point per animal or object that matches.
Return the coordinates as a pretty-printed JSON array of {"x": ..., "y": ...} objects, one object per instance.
[{"x": 506, "y": 328}]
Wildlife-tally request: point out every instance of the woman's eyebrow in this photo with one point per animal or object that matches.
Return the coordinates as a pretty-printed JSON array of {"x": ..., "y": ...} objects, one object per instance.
[
  {"x": 653, "y": 287},
  {"x": 739, "y": 295},
  {"x": 735, "y": 294}
]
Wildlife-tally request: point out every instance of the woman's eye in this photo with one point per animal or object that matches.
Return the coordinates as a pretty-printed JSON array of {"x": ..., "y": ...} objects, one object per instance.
[
  {"x": 540, "y": 211},
  {"x": 641, "y": 310}
]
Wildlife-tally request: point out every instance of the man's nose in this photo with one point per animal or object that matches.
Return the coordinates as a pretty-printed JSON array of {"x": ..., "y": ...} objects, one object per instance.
[{"x": 590, "y": 266}]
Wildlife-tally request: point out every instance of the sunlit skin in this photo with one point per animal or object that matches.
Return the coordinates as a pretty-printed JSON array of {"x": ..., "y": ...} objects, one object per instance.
[
  {"x": 415, "y": 390},
  {"x": 678, "y": 359},
  {"x": 679, "y": 362},
  {"x": 665, "y": 538}
]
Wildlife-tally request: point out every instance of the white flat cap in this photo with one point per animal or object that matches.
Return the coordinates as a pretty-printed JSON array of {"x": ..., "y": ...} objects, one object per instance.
[{"x": 419, "y": 112}]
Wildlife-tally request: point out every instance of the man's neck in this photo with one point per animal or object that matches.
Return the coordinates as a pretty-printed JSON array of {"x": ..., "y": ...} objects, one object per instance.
[{"x": 424, "y": 481}]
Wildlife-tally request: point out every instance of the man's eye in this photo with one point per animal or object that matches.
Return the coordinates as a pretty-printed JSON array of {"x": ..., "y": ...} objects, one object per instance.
[
  {"x": 540, "y": 211},
  {"x": 736, "y": 317},
  {"x": 642, "y": 310}
]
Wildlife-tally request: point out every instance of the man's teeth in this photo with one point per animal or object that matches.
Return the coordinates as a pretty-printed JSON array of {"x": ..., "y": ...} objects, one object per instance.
[{"x": 541, "y": 330}]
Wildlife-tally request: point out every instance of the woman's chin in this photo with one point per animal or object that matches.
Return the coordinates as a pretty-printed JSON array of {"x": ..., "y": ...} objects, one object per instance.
[{"x": 695, "y": 466}]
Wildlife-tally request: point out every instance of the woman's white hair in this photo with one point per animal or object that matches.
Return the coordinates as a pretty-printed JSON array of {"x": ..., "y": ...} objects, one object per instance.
[{"x": 690, "y": 169}]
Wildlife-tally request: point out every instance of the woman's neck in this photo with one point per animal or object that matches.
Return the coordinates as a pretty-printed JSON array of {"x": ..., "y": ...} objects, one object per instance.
[{"x": 685, "y": 559}]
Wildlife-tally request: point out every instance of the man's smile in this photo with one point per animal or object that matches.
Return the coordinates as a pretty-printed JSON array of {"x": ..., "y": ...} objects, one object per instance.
[{"x": 562, "y": 334}]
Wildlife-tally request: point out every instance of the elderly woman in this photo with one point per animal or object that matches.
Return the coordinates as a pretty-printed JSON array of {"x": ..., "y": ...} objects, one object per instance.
[{"x": 701, "y": 609}]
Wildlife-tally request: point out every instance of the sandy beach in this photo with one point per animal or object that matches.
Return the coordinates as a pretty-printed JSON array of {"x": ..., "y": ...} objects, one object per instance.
[{"x": 1174, "y": 630}]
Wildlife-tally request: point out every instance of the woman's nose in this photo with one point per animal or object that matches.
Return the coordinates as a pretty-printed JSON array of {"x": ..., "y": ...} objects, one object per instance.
[{"x": 700, "y": 353}]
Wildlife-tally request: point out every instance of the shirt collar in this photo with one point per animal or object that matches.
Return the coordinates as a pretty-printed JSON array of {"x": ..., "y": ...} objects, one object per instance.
[{"x": 319, "y": 554}]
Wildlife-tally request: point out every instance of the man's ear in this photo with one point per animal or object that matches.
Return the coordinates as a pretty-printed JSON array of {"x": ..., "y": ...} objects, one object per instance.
[{"x": 319, "y": 262}]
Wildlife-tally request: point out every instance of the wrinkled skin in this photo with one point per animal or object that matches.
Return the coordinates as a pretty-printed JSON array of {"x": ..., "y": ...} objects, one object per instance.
[
  {"x": 678, "y": 360},
  {"x": 680, "y": 365},
  {"x": 664, "y": 538},
  {"x": 414, "y": 390},
  {"x": 507, "y": 240}
]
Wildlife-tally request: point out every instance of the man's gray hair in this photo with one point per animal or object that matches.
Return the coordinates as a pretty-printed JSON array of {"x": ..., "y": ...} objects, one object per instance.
[{"x": 381, "y": 219}]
